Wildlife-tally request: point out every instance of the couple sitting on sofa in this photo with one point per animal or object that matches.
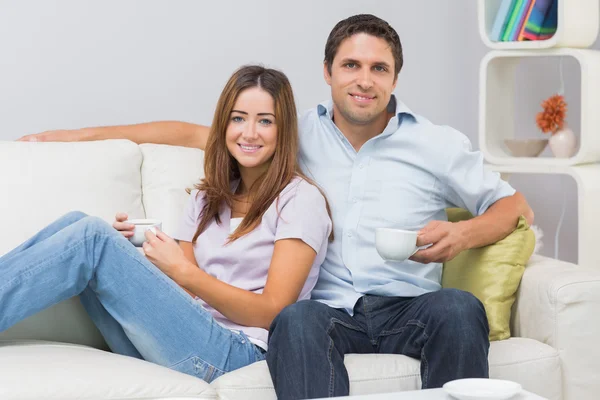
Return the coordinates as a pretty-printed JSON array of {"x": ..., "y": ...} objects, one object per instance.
[{"x": 255, "y": 260}]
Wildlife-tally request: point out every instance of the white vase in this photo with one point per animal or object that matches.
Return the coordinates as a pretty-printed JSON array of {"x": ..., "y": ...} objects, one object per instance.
[{"x": 563, "y": 143}]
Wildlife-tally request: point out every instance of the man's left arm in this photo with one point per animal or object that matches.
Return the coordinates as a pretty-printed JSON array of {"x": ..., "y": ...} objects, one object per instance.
[
  {"x": 496, "y": 206},
  {"x": 498, "y": 221}
]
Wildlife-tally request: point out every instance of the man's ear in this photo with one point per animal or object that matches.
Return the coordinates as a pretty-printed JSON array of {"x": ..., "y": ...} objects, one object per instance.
[{"x": 326, "y": 73}]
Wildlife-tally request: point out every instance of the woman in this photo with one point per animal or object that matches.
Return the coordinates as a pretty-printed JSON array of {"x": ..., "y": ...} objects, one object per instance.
[{"x": 253, "y": 236}]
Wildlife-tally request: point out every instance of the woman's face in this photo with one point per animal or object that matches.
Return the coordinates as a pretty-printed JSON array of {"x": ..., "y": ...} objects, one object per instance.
[{"x": 251, "y": 134}]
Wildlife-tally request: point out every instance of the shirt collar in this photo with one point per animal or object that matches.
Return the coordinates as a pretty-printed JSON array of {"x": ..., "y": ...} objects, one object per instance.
[{"x": 326, "y": 108}]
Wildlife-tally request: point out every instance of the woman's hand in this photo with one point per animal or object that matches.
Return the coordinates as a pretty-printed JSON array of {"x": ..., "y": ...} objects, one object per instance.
[
  {"x": 164, "y": 252},
  {"x": 125, "y": 228}
]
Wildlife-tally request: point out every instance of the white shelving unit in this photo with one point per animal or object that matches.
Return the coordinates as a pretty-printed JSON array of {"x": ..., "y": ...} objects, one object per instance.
[
  {"x": 587, "y": 179},
  {"x": 577, "y": 26},
  {"x": 496, "y": 105}
]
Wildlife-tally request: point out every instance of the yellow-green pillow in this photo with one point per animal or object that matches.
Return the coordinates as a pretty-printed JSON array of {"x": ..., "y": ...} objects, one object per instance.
[{"x": 491, "y": 273}]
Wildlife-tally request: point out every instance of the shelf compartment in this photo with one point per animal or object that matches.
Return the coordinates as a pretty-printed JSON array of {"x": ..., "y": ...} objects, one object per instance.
[
  {"x": 588, "y": 199},
  {"x": 497, "y": 106},
  {"x": 577, "y": 26}
]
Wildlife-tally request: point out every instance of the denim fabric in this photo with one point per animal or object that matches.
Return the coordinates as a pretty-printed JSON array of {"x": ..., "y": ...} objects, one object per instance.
[
  {"x": 446, "y": 330},
  {"x": 140, "y": 311}
]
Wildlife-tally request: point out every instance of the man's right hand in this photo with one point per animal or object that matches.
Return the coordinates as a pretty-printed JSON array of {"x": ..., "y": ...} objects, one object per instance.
[
  {"x": 126, "y": 229},
  {"x": 73, "y": 135}
]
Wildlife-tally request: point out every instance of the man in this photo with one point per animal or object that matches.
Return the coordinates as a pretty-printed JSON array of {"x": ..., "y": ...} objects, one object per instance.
[{"x": 380, "y": 165}]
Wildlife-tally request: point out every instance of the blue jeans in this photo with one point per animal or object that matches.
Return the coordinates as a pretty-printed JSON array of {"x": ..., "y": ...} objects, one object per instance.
[
  {"x": 447, "y": 330},
  {"x": 138, "y": 309}
]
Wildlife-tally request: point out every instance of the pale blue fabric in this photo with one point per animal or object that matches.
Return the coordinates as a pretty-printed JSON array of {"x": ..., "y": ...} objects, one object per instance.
[{"x": 404, "y": 178}]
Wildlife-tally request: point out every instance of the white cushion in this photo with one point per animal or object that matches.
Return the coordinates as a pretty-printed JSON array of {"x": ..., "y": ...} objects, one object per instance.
[
  {"x": 533, "y": 364},
  {"x": 43, "y": 181},
  {"x": 166, "y": 172},
  {"x": 51, "y": 371}
]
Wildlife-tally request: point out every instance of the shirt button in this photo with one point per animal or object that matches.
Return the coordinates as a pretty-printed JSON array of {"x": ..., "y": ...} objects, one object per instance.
[
  {"x": 361, "y": 166},
  {"x": 349, "y": 234},
  {"x": 355, "y": 200}
]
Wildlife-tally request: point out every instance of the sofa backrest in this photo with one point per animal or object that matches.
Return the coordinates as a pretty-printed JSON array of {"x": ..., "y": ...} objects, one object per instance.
[
  {"x": 42, "y": 181},
  {"x": 166, "y": 172}
]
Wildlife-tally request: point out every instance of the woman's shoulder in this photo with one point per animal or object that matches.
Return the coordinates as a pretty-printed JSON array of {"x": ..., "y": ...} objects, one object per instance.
[
  {"x": 196, "y": 197},
  {"x": 301, "y": 189}
]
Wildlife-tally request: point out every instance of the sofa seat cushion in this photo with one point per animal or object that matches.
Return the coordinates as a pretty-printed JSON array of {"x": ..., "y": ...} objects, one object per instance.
[
  {"x": 533, "y": 364},
  {"x": 47, "y": 370}
]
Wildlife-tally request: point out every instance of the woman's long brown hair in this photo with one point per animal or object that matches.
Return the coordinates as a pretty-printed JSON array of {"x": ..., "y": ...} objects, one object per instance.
[{"x": 220, "y": 168}]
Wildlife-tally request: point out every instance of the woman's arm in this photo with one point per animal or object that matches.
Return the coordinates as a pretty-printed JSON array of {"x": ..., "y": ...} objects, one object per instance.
[{"x": 290, "y": 265}]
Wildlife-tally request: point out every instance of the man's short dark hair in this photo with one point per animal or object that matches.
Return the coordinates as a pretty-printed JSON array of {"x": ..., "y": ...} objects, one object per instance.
[{"x": 363, "y": 23}]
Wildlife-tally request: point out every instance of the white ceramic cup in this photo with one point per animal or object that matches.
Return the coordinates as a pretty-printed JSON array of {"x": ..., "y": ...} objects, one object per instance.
[
  {"x": 141, "y": 226},
  {"x": 395, "y": 244}
]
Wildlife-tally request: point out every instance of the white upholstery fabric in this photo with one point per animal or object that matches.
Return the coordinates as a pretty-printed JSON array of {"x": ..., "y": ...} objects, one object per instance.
[
  {"x": 166, "y": 172},
  {"x": 53, "y": 371},
  {"x": 535, "y": 365},
  {"x": 559, "y": 304},
  {"x": 42, "y": 181}
]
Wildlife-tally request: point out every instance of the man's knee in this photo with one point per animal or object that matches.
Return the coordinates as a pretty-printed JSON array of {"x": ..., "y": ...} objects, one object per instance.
[
  {"x": 300, "y": 318},
  {"x": 461, "y": 310}
]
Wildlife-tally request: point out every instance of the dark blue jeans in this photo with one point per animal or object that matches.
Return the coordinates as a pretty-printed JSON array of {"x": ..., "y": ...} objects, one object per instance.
[{"x": 447, "y": 330}]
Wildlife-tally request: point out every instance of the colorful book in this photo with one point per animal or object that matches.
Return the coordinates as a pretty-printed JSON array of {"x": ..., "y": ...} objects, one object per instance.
[
  {"x": 550, "y": 22},
  {"x": 523, "y": 20},
  {"x": 501, "y": 20},
  {"x": 512, "y": 20},
  {"x": 537, "y": 25},
  {"x": 514, "y": 33},
  {"x": 520, "y": 36}
]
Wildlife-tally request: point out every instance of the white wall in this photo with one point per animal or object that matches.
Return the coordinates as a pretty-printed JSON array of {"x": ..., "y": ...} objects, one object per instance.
[{"x": 70, "y": 63}]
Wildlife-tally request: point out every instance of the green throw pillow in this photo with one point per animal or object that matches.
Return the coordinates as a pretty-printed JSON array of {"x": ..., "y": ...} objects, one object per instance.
[{"x": 491, "y": 273}]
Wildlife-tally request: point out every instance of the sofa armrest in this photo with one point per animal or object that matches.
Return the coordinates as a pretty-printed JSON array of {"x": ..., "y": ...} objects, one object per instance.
[{"x": 558, "y": 303}]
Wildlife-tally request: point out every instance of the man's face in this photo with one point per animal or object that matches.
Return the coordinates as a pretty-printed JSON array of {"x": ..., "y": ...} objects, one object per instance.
[{"x": 362, "y": 78}]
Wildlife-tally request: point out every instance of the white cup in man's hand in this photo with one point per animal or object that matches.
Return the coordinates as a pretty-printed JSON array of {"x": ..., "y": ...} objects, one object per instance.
[{"x": 395, "y": 244}]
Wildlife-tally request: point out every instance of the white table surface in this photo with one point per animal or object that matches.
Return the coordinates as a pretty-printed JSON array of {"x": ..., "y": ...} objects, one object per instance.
[{"x": 429, "y": 394}]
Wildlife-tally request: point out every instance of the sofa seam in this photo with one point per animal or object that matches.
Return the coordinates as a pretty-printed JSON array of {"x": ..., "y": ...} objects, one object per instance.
[{"x": 526, "y": 361}]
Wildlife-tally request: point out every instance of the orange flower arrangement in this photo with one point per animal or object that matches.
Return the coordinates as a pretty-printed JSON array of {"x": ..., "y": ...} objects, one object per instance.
[{"x": 552, "y": 119}]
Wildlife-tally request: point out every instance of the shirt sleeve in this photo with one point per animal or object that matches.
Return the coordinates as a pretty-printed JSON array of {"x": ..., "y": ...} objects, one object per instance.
[
  {"x": 469, "y": 184},
  {"x": 189, "y": 221},
  {"x": 304, "y": 216}
]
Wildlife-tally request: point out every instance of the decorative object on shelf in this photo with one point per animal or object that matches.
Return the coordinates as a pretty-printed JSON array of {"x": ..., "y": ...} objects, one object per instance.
[
  {"x": 563, "y": 143},
  {"x": 526, "y": 147},
  {"x": 552, "y": 120}
]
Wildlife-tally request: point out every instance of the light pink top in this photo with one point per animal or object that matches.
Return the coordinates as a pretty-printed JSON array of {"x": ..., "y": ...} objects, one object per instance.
[{"x": 245, "y": 262}]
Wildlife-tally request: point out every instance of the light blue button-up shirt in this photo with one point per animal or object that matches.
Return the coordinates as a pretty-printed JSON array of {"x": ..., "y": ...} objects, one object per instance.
[{"x": 402, "y": 178}]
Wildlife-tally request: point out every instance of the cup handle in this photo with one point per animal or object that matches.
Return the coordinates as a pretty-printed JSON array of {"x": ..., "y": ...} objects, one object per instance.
[{"x": 420, "y": 248}]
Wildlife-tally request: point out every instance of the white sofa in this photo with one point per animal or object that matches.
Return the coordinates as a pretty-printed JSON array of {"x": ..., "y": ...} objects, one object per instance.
[{"x": 59, "y": 354}]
